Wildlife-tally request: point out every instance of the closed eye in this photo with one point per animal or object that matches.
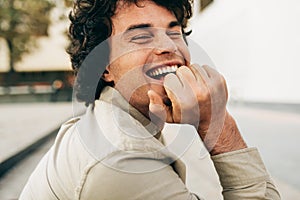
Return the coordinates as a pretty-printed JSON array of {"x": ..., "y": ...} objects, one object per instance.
[
  {"x": 174, "y": 34},
  {"x": 142, "y": 38}
]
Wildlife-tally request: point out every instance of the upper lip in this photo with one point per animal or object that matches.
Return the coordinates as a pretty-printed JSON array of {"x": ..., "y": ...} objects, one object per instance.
[{"x": 155, "y": 67}]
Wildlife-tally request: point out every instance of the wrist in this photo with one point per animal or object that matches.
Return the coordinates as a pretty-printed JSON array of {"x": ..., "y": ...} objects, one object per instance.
[{"x": 230, "y": 138}]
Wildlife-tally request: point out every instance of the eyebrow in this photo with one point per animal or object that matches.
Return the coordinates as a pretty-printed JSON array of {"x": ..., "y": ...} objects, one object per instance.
[
  {"x": 173, "y": 24},
  {"x": 147, "y": 25},
  {"x": 138, "y": 26}
]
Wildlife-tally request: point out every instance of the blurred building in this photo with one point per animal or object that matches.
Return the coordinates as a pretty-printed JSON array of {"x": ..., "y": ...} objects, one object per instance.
[{"x": 43, "y": 75}]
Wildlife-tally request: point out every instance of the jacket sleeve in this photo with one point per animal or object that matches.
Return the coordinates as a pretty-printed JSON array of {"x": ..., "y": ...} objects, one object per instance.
[
  {"x": 103, "y": 182},
  {"x": 243, "y": 176}
]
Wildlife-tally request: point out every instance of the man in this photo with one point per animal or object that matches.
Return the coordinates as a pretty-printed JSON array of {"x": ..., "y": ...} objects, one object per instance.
[{"x": 115, "y": 150}]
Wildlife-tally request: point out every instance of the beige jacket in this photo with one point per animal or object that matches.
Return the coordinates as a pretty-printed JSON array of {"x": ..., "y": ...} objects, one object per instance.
[{"x": 110, "y": 153}]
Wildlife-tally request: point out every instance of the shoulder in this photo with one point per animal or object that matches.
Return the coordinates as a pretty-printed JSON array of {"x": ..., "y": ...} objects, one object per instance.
[{"x": 109, "y": 182}]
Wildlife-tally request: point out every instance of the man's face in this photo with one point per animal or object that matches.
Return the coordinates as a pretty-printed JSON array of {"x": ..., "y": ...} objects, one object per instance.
[{"x": 146, "y": 45}]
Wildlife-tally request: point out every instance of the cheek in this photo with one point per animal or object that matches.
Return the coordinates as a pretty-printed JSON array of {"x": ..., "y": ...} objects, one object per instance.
[
  {"x": 183, "y": 48},
  {"x": 131, "y": 83},
  {"x": 124, "y": 66},
  {"x": 128, "y": 71}
]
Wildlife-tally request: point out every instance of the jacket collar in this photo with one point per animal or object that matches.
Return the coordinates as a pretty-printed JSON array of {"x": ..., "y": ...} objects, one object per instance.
[{"x": 112, "y": 96}]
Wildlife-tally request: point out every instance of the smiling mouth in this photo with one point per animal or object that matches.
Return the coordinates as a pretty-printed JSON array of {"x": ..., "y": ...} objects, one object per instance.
[{"x": 159, "y": 72}]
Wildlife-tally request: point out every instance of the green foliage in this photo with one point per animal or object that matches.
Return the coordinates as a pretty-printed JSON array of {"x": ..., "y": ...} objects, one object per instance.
[{"x": 21, "y": 22}]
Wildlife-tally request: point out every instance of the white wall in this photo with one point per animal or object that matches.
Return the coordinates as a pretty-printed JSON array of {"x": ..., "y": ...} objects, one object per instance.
[{"x": 256, "y": 45}]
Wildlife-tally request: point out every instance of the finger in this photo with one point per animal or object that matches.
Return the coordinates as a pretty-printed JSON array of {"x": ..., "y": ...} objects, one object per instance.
[
  {"x": 186, "y": 76},
  {"x": 172, "y": 82},
  {"x": 173, "y": 87},
  {"x": 157, "y": 112},
  {"x": 156, "y": 104},
  {"x": 200, "y": 74},
  {"x": 191, "y": 86},
  {"x": 211, "y": 72},
  {"x": 217, "y": 78}
]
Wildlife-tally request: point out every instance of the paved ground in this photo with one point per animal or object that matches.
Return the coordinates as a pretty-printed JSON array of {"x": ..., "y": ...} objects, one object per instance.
[
  {"x": 274, "y": 133},
  {"x": 277, "y": 136},
  {"x": 23, "y": 123},
  {"x": 13, "y": 182}
]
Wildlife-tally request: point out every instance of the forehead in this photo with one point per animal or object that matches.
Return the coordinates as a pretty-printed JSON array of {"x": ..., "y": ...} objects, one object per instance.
[{"x": 146, "y": 12}]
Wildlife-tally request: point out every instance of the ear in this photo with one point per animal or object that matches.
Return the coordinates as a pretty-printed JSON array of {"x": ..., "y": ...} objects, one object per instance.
[{"x": 107, "y": 75}]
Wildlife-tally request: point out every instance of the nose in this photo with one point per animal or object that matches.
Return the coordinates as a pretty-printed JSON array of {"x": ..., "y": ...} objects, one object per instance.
[{"x": 164, "y": 45}]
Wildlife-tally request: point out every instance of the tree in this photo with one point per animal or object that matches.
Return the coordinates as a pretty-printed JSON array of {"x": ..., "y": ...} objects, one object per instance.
[{"x": 21, "y": 22}]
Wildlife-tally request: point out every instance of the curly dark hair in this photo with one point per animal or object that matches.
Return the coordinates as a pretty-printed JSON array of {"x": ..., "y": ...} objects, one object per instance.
[{"x": 91, "y": 25}]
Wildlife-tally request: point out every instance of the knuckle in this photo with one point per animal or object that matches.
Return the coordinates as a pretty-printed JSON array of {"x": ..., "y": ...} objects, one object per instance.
[
  {"x": 206, "y": 66},
  {"x": 221, "y": 82}
]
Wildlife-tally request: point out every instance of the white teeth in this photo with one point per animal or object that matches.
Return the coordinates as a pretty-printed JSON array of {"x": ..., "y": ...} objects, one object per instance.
[
  {"x": 160, "y": 71},
  {"x": 163, "y": 70}
]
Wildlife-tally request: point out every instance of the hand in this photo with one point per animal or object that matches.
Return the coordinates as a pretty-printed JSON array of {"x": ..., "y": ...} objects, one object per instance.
[{"x": 198, "y": 97}]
